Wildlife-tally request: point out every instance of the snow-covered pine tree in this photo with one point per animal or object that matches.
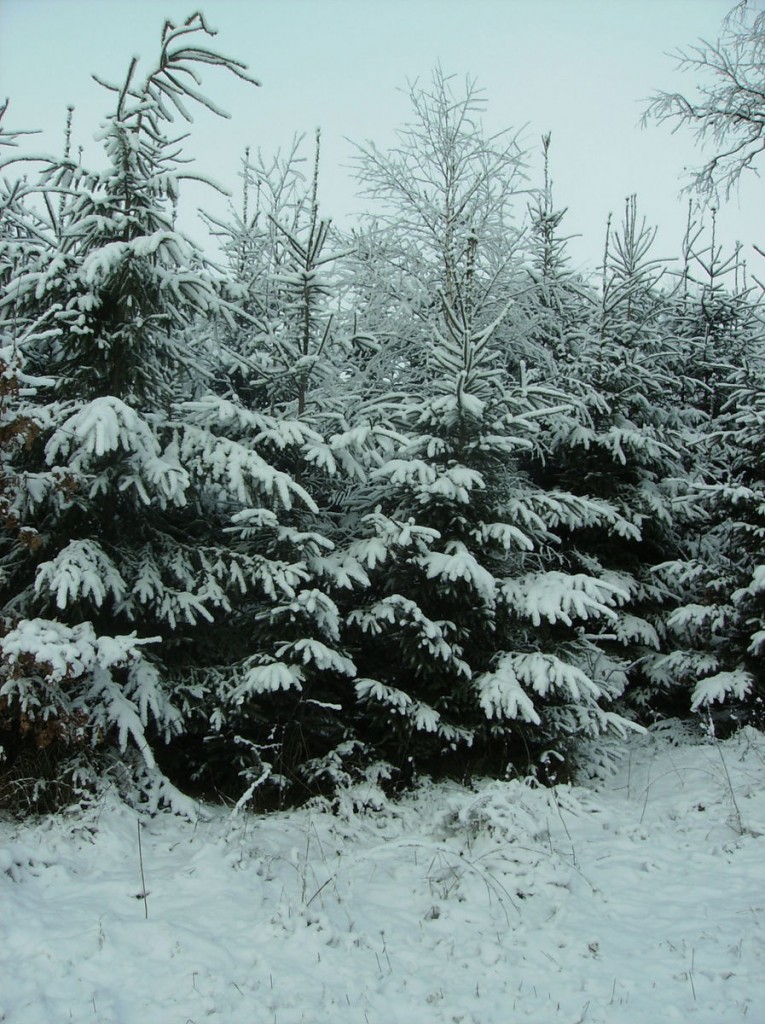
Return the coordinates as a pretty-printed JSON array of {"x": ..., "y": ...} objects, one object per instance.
[
  {"x": 716, "y": 617},
  {"x": 302, "y": 289},
  {"x": 471, "y": 643},
  {"x": 21, "y": 243},
  {"x": 128, "y": 499},
  {"x": 284, "y": 702},
  {"x": 275, "y": 246},
  {"x": 620, "y": 440},
  {"x": 468, "y": 634},
  {"x": 717, "y": 625},
  {"x": 714, "y": 318},
  {"x": 266, "y": 695},
  {"x": 559, "y": 303},
  {"x": 18, "y": 225}
]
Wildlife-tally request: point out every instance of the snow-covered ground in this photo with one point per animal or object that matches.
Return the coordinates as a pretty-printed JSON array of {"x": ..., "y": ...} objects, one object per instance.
[{"x": 631, "y": 901}]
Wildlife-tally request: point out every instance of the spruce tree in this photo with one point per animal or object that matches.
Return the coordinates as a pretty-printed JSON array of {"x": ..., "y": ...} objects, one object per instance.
[
  {"x": 283, "y": 701},
  {"x": 716, "y": 617},
  {"x": 468, "y": 641},
  {"x": 127, "y": 495}
]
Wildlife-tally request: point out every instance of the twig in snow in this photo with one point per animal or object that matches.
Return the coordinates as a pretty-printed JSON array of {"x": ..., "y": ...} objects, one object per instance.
[
  {"x": 563, "y": 822},
  {"x": 736, "y": 809},
  {"x": 143, "y": 894}
]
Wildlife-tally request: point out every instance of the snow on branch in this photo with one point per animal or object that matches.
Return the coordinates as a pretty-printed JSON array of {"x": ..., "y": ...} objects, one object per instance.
[
  {"x": 102, "y": 426},
  {"x": 456, "y": 562},
  {"x": 77, "y": 668},
  {"x": 503, "y": 691},
  {"x": 558, "y": 597},
  {"x": 421, "y": 716},
  {"x": 719, "y": 687},
  {"x": 239, "y": 470},
  {"x": 173, "y": 81},
  {"x": 81, "y": 570}
]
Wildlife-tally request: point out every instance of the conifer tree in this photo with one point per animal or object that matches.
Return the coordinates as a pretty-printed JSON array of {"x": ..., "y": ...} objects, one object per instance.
[
  {"x": 282, "y": 701},
  {"x": 128, "y": 486},
  {"x": 712, "y": 666},
  {"x": 715, "y": 626},
  {"x": 468, "y": 645},
  {"x": 467, "y": 638},
  {"x": 621, "y": 441},
  {"x": 280, "y": 267},
  {"x": 559, "y": 304}
]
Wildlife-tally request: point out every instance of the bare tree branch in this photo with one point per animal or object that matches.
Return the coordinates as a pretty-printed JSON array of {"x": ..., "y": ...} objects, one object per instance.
[{"x": 726, "y": 112}]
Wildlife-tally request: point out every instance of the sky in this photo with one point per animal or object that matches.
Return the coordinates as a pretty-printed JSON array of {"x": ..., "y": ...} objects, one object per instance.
[{"x": 579, "y": 69}]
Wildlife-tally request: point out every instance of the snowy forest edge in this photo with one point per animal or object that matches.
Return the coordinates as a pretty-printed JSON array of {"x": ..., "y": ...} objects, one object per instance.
[{"x": 411, "y": 498}]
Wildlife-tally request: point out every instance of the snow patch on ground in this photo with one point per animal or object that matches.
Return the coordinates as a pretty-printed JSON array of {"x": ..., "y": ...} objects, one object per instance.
[{"x": 628, "y": 901}]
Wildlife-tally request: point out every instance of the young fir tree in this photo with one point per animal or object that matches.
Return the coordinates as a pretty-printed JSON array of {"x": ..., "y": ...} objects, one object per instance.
[
  {"x": 469, "y": 641},
  {"x": 287, "y": 702},
  {"x": 621, "y": 440},
  {"x": 716, "y": 580},
  {"x": 713, "y": 318},
  {"x": 558, "y": 305},
  {"x": 101, "y": 309},
  {"x": 717, "y": 613},
  {"x": 279, "y": 267},
  {"x": 467, "y": 637},
  {"x": 20, "y": 228},
  {"x": 719, "y": 626},
  {"x": 114, "y": 619}
]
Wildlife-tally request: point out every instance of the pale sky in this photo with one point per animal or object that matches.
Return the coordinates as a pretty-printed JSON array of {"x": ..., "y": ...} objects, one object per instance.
[{"x": 581, "y": 69}]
